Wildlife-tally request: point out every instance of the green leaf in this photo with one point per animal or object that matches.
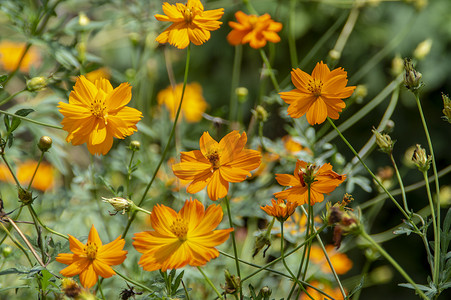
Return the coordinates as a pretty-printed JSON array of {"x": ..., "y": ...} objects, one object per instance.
[
  {"x": 24, "y": 112},
  {"x": 402, "y": 230}
]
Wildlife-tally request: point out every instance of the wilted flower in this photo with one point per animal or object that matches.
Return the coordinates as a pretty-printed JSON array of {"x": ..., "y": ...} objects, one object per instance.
[
  {"x": 190, "y": 23},
  {"x": 318, "y": 95},
  {"x": 412, "y": 78},
  {"x": 255, "y": 30},
  {"x": 119, "y": 204},
  {"x": 96, "y": 113},
  {"x": 193, "y": 106},
  {"x": 420, "y": 159},
  {"x": 384, "y": 141},
  {"x": 342, "y": 218}
]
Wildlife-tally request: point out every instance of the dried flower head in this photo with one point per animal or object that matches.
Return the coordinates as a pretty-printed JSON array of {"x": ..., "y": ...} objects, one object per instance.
[
  {"x": 420, "y": 159},
  {"x": 412, "y": 78},
  {"x": 190, "y": 23},
  {"x": 319, "y": 95},
  {"x": 255, "y": 30},
  {"x": 446, "y": 108},
  {"x": 384, "y": 141}
]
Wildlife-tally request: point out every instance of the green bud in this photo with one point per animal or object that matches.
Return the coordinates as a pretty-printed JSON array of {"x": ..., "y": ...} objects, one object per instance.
[
  {"x": 412, "y": 78},
  {"x": 135, "y": 145},
  {"x": 7, "y": 251},
  {"x": 446, "y": 108},
  {"x": 384, "y": 141},
  {"x": 260, "y": 113},
  {"x": 420, "y": 159},
  {"x": 36, "y": 84},
  {"x": 45, "y": 143},
  {"x": 25, "y": 197},
  {"x": 242, "y": 94}
]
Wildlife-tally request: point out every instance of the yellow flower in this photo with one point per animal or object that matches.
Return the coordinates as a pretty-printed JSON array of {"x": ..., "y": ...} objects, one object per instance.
[
  {"x": 255, "y": 30},
  {"x": 93, "y": 259},
  {"x": 217, "y": 164},
  {"x": 179, "y": 239},
  {"x": 43, "y": 180},
  {"x": 96, "y": 113},
  {"x": 340, "y": 261},
  {"x": 318, "y": 95},
  {"x": 193, "y": 105},
  {"x": 11, "y": 52},
  {"x": 279, "y": 209},
  {"x": 322, "y": 180},
  {"x": 190, "y": 23},
  {"x": 98, "y": 74},
  {"x": 335, "y": 293}
]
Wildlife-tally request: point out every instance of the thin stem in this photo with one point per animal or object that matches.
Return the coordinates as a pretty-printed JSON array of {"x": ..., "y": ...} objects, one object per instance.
[
  {"x": 11, "y": 75},
  {"x": 235, "y": 252},
  {"x": 393, "y": 262},
  {"x": 35, "y": 216},
  {"x": 364, "y": 272},
  {"x": 270, "y": 70},
  {"x": 129, "y": 173},
  {"x": 142, "y": 210},
  {"x": 291, "y": 38},
  {"x": 30, "y": 120},
  {"x": 133, "y": 281},
  {"x": 166, "y": 149},
  {"x": 368, "y": 170},
  {"x": 11, "y": 171},
  {"x": 282, "y": 247},
  {"x": 19, "y": 245},
  {"x": 7, "y": 99},
  {"x": 401, "y": 185},
  {"x": 436, "y": 273},
  {"x": 235, "y": 81},
  {"x": 36, "y": 170},
  {"x": 437, "y": 191},
  {"x": 210, "y": 283}
]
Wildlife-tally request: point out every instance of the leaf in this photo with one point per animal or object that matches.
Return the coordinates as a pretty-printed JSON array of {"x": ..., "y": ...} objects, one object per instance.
[
  {"x": 16, "y": 121},
  {"x": 357, "y": 288},
  {"x": 66, "y": 58},
  {"x": 13, "y": 271}
]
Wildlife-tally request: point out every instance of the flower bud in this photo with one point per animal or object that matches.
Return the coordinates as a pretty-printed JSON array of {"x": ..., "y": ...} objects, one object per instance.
[
  {"x": 446, "y": 108},
  {"x": 265, "y": 291},
  {"x": 334, "y": 54},
  {"x": 260, "y": 113},
  {"x": 423, "y": 49},
  {"x": 7, "y": 251},
  {"x": 384, "y": 141},
  {"x": 25, "y": 196},
  {"x": 70, "y": 288},
  {"x": 361, "y": 91},
  {"x": 397, "y": 65},
  {"x": 119, "y": 204},
  {"x": 420, "y": 159},
  {"x": 232, "y": 284},
  {"x": 36, "y": 83},
  {"x": 45, "y": 143},
  {"x": 412, "y": 78},
  {"x": 83, "y": 19},
  {"x": 135, "y": 145},
  {"x": 242, "y": 93}
]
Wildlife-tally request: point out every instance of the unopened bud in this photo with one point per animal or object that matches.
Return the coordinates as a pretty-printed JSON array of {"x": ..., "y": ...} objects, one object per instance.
[
  {"x": 83, "y": 19},
  {"x": 260, "y": 113},
  {"x": 7, "y": 251},
  {"x": 361, "y": 91},
  {"x": 135, "y": 145},
  {"x": 420, "y": 159},
  {"x": 119, "y": 204},
  {"x": 70, "y": 288},
  {"x": 242, "y": 93},
  {"x": 384, "y": 141},
  {"x": 36, "y": 83},
  {"x": 446, "y": 108},
  {"x": 266, "y": 291},
  {"x": 412, "y": 78},
  {"x": 423, "y": 49},
  {"x": 45, "y": 143},
  {"x": 25, "y": 196},
  {"x": 334, "y": 54},
  {"x": 397, "y": 65}
]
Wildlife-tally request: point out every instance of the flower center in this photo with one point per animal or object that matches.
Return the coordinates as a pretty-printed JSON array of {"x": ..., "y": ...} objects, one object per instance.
[
  {"x": 282, "y": 205},
  {"x": 253, "y": 21},
  {"x": 214, "y": 160},
  {"x": 91, "y": 251},
  {"x": 98, "y": 108},
  {"x": 315, "y": 86},
  {"x": 179, "y": 228},
  {"x": 188, "y": 14}
]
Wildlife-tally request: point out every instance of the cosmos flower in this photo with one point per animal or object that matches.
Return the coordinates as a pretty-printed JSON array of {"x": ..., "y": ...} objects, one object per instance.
[
  {"x": 43, "y": 180},
  {"x": 255, "y": 30},
  {"x": 179, "y": 239},
  {"x": 279, "y": 209},
  {"x": 318, "y": 95},
  {"x": 96, "y": 113},
  {"x": 190, "y": 23},
  {"x": 340, "y": 261},
  {"x": 11, "y": 52},
  {"x": 217, "y": 164},
  {"x": 93, "y": 259},
  {"x": 193, "y": 106},
  {"x": 322, "y": 180},
  {"x": 335, "y": 293}
]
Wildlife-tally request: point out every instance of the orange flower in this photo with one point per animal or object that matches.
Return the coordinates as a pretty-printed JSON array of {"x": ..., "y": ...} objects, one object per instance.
[
  {"x": 319, "y": 95},
  {"x": 43, "y": 180},
  {"x": 96, "y": 113},
  {"x": 190, "y": 23},
  {"x": 335, "y": 293},
  {"x": 179, "y": 239},
  {"x": 340, "y": 261},
  {"x": 193, "y": 105},
  {"x": 217, "y": 164},
  {"x": 93, "y": 259},
  {"x": 322, "y": 180},
  {"x": 11, "y": 52},
  {"x": 255, "y": 30},
  {"x": 279, "y": 209}
]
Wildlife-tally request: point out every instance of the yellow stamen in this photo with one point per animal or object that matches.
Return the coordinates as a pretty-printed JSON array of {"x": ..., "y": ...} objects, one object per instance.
[
  {"x": 91, "y": 251},
  {"x": 315, "y": 86},
  {"x": 214, "y": 160},
  {"x": 179, "y": 228}
]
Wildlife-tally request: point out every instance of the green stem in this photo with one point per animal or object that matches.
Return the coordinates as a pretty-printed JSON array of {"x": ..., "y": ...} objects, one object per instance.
[
  {"x": 11, "y": 75},
  {"x": 30, "y": 120},
  {"x": 235, "y": 252},
  {"x": 364, "y": 272},
  {"x": 7, "y": 99},
  {"x": 11, "y": 171},
  {"x": 393, "y": 262},
  {"x": 294, "y": 278},
  {"x": 291, "y": 38},
  {"x": 129, "y": 173},
  {"x": 269, "y": 69},
  {"x": 141, "y": 210},
  {"x": 288, "y": 254},
  {"x": 235, "y": 81},
  {"x": 401, "y": 185},
  {"x": 166, "y": 149},
  {"x": 210, "y": 283},
  {"x": 36, "y": 170},
  {"x": 250, "y": 7},
  {"x": 19, "y": 245},
  {"x": 35, "y": 216},
  {"x": 435, "y": 275},
  {"x": 133, "y": 282},
  {"x": 437, "y": 190},
  {"x": 368, "y": 170}
]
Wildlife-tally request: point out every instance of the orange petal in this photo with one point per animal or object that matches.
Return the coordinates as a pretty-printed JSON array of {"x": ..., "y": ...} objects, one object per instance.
[
  {"x": 88, "y": 278},
  {"x": 218, "y": 187}
]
